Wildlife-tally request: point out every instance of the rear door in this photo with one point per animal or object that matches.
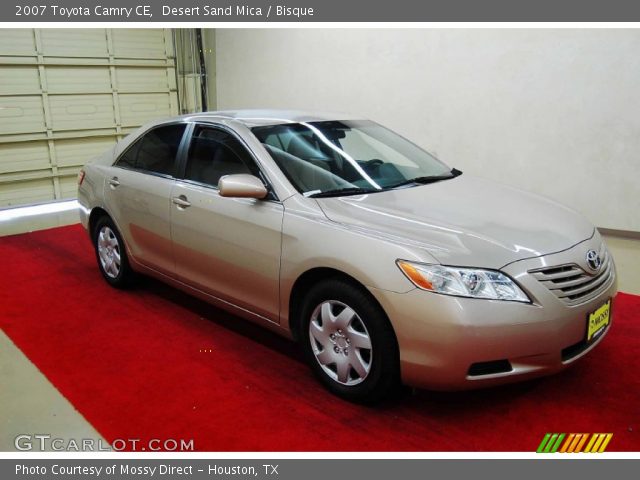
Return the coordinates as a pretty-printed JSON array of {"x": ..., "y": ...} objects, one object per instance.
[
  {"x": 227, "y": 247},
  {"x": 138, "y": 192}
]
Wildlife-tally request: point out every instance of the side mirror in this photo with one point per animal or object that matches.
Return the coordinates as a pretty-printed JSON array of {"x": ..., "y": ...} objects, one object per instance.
[{"x": 242, "y": 185}]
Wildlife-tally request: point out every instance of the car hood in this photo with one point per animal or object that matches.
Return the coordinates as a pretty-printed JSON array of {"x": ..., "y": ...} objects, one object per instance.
[{"x": 464, "y": 221}]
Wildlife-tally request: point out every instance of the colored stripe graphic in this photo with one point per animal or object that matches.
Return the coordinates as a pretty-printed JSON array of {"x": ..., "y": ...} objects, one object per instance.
[
  {"x": 556, "y": 445},
  {"x": 596, "y": 446},
  {"x": 543, "y": 443},
  {"x": 550, "y": 443},
  {"x": 582, "y": 441},
  {"x": 576, "y": 439},
  {"x": 568, "y": 442},
  {"x": 574, "y": 443},
  {"x": 599, "y": 442},
  {"x": 603, "y": 447},
  {"x": 591, "y": 442}
]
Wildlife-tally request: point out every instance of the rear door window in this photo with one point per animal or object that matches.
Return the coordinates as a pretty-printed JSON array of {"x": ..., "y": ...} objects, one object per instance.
[{"x": 155, "y": 152}]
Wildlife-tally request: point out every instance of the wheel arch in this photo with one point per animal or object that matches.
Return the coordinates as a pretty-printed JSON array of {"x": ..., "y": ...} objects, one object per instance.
[
  {"x": 94, "y": 216},
  {"x": 306, "y": 281}
]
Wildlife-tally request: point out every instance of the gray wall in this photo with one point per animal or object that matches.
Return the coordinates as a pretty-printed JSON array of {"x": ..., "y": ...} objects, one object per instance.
[{"x": 554, "y": 111}]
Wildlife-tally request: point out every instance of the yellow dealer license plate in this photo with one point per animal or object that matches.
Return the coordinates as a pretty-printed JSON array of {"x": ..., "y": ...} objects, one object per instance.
[{"x": 598, "y": 321}]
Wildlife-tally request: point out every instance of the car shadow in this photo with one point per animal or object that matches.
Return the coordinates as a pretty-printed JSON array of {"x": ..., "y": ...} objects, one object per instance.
[
  {"x": 234, "y": 323},
  {"x": 432, "y": 402}
]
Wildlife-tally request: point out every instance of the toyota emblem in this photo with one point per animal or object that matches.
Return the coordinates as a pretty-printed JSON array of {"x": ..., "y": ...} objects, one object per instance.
[{"x": 593, "y": 260}]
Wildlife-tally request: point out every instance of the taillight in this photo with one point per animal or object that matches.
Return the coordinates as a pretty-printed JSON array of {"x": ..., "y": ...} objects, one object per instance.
[{"x": 80, "y": 177}]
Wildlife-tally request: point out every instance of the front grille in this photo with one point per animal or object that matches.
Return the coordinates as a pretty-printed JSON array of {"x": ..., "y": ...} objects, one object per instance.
[{"x": 574, "y": 285}]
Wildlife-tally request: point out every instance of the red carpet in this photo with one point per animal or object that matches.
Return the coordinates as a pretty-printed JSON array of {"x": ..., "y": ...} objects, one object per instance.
[{"x": 131, "y": 363}]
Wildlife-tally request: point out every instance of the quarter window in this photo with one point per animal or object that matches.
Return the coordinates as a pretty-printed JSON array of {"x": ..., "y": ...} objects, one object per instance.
[
  {"x": 156, "y": 151},
  {"x": 215, "y": 153}
]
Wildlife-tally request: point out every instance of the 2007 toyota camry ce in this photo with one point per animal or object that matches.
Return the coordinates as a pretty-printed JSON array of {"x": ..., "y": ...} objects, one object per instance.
[{"x": 385, "y": 264}]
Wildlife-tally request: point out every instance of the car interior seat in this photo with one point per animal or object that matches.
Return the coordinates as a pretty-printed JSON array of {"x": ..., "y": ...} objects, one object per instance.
[{"x": 301, "y": 148}]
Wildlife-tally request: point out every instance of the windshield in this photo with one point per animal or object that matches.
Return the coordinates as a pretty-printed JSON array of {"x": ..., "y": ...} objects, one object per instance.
[{"x": 347, "y": 157}]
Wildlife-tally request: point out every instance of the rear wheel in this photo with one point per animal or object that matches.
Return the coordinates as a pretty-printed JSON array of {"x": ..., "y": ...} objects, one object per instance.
[
  {"x": 111, "y": 254},
  {"x": 349, "y": 342}
]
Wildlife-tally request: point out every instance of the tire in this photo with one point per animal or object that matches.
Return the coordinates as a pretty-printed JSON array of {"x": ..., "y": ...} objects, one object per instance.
[
  {"x": 111, "y": 254},
  {"x": 349, "y": 342}
]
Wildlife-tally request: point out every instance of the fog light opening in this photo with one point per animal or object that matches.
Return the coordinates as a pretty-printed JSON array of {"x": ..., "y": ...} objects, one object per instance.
[{"x": 490, "y": 368}]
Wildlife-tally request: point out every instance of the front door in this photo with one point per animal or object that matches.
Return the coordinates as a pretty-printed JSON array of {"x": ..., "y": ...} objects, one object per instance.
[{"x": 227, "y": 247}]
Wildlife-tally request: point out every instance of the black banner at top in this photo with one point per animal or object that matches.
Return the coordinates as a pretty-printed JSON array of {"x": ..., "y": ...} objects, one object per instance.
[{"x": 319, "y": 11}]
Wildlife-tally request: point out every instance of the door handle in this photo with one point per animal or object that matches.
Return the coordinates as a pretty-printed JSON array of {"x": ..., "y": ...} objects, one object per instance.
[
  {"x": 181, "y": 201},
  {"x": 114, "y": 182}
]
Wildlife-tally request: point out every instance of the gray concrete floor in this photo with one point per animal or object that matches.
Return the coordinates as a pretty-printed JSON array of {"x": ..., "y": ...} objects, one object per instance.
[{"x": 31, "y": 405}]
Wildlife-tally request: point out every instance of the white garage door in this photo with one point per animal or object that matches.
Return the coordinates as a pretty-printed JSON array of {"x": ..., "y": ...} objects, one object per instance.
[{"x": 66, "y": 95}]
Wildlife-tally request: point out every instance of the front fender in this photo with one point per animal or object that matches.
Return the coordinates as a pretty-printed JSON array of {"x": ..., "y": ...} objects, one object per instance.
[{"x": 310, "y": 240}]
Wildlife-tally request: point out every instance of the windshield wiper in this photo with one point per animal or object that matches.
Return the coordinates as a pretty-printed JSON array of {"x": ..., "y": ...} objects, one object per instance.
[
  {"x": 357, "y": 190},
  {"x": 343, "y": 191},
  {"x": 428, "y": 179}
]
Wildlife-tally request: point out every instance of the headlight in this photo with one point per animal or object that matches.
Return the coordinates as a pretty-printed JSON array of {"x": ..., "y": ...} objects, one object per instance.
[{"x": 463, "y": 282}]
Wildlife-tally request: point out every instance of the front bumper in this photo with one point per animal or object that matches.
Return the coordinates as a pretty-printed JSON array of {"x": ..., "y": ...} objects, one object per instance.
[{"x": 441, "y": 337}]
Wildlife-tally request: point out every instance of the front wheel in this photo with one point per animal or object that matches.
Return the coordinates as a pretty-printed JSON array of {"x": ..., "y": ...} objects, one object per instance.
[{"x": 349, "y": 342}]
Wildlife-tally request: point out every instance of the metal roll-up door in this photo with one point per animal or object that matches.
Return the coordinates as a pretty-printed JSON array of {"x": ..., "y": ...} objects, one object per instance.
[{"x": 67, "y": 95}]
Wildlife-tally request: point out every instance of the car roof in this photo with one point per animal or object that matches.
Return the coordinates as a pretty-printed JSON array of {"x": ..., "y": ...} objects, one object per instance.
[{"x": 252, "y": 118}]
